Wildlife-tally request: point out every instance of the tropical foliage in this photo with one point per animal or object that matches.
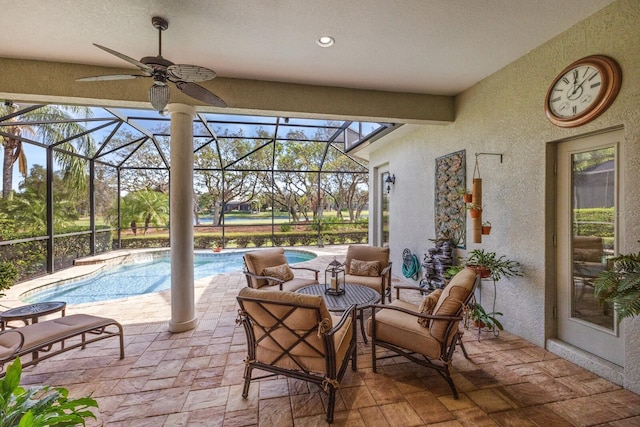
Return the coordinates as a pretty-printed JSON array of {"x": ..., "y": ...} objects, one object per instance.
[
  {"x": 59, "y": 125},
  {"x": 142, "y": 208},
  {"x": 490, "y": 321},
  {"x": 39, "y": 406},
  {"x": 500, "y": 266},
  {"x": 621, "y": 285}
]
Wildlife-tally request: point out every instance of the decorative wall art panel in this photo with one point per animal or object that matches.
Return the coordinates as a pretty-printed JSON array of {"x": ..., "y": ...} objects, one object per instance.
[{"x": 450, "y": 214}]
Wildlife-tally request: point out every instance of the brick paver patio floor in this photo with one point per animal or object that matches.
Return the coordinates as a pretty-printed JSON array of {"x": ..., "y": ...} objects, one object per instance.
[{"x": 195, "y": 378}]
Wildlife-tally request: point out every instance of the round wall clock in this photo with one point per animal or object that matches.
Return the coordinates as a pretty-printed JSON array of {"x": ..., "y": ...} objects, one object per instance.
[{"x": 583, "y": 91}]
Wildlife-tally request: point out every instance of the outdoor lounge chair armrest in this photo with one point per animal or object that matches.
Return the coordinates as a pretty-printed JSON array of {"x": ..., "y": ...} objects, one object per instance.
[
  {"x": 349, "y": 312},
  {"x": 255, "y": 276},
  {"x": 415, "y": 313},
  {"x": 386, "y": 270},
  {"x": 17, "y": 350},
  {"x": 307, "y": 268}
]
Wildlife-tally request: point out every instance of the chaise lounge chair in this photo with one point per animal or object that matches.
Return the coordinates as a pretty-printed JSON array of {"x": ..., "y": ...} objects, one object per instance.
[{"x": 41, "y": 340}]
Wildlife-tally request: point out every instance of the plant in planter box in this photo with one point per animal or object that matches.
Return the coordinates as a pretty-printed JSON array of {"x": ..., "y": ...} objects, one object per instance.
[
  {"x": 621, "y": 285},
  {"x": 39, "y": 406}
]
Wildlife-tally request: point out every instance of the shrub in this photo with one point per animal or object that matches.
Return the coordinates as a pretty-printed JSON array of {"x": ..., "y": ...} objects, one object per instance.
[
  {"x": 285, "y": 228},
  {"x": 8, "y": 276},
  {"x": 243, "y": 241},
  {"x": 280, "y": 239},
  {"x": 258, "y": 240}
]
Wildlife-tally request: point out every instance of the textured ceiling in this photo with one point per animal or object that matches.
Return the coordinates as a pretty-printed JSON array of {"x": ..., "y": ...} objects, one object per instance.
[{"x": 421, "y": 46}]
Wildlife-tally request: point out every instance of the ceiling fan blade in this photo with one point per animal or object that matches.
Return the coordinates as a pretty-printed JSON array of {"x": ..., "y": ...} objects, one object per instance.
[
  {"x": 200, "y": 93},
  {"x": 144, "y": 67},
  {"x": 110, "y": 77},
  {"x": 189, "y": 73}
]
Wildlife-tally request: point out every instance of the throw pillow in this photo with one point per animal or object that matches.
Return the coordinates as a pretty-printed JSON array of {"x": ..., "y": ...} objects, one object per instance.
[
  {"x": 364, "y": 268},
  {"x": 427, "y": 306},
  {"x": 282, "y": 272}
]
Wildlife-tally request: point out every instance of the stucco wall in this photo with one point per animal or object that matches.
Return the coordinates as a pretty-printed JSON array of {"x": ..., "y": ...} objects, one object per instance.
[{"x": 504, "y": 114}]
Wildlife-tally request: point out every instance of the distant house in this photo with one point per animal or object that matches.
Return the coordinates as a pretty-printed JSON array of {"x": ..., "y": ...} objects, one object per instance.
[{"x": 237, "y": 205}]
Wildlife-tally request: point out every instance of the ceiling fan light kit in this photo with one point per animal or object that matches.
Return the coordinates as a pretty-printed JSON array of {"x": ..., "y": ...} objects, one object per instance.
[
  {"x": 159, "y": 96},
  {"x": 162, "y": 70}
]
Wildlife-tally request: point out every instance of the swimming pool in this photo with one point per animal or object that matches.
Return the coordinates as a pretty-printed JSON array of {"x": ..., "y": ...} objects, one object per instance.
[{"x": 152, "y": 274}]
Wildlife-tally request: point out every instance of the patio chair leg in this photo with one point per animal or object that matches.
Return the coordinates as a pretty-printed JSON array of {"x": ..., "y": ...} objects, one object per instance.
[
  {"x": 332, "y": 403},
  {"x": 247, "y": 380},
  {"x": 464, "y": 350},
  {"x": 374, "y": 366},
  {"x": 354, "y": 359},
  {"x": 447, "y": 376}
]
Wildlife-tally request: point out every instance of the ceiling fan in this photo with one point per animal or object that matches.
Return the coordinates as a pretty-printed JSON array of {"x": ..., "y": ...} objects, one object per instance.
[{"x": 161, "y": 70}]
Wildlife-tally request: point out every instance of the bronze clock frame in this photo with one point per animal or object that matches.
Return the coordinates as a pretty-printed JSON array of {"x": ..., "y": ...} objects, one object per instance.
[{"x": 611, "y": 75}]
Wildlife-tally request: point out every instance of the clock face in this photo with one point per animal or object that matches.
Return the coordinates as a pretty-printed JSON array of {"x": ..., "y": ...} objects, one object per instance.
[
  {"x": 583, "y": 91},
  {"x": 576, "y": 91}
]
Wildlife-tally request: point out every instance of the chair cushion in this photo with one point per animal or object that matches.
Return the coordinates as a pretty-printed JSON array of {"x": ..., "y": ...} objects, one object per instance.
[
  {"x": 282, "y": 272},
  {"x": 427, "y": 306},
  {"x": 402, "y": 330},
  {"x": 367, "y": 253},
  {"x": 451, "y": 301},
  {"x": 365, "y": 268},
  {"x": 310, "y": 352},
  {"x": 38, "y": 334},
  {"x": 297, "y": 283},
  {"x": 257, "y": 261},
  {"x": 374, "y": 283}
]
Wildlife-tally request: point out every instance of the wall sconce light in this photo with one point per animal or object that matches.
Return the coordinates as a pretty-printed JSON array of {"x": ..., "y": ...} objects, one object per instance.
[{"x": 391, "y": 179}]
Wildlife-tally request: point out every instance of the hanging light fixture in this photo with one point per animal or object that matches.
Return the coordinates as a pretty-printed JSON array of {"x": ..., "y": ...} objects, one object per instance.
[{"x": 159, "y": 95}]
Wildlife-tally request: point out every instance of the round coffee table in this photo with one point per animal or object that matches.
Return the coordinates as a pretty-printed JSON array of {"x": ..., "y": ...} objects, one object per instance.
[
  {"x": 359, "y": 295},
  {"x": 31, "y": 311}
]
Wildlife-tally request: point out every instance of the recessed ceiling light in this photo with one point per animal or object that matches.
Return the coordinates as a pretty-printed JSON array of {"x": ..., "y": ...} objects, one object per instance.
[{"x": 326, "y": 41}]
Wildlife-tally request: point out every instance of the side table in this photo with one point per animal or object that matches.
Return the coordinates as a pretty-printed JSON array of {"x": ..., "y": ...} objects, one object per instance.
[{"x": 31, "y": 311}]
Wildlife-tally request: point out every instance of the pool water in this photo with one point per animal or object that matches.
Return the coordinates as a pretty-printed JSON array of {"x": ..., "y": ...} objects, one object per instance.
[{"x": 144, "y": 277}]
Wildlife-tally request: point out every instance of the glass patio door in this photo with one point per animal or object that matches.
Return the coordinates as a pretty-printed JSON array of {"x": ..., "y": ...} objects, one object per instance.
[{"x": 588, "y": 230}]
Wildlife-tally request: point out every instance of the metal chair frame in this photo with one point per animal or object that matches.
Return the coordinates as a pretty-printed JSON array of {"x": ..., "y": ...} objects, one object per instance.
[{"x": 328, "y": 381}]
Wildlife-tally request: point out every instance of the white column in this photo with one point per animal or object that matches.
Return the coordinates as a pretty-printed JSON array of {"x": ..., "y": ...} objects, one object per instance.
[{"x": 181, "y": 191}]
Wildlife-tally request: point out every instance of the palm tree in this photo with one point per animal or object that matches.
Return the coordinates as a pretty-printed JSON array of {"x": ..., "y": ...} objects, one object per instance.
[
  {"x": 52, "y": 124},
  {"x": 144, "y": 206}
]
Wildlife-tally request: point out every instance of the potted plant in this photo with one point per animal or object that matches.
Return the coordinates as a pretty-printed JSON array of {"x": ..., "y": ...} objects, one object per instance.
[
  {"x": 489, "y": 264},
  {"x": 474, "y": 209},
  {"x": 481, "y": 319},
  {"x": 39, "y": 405},
  {"x": 621, "y": 285},
  {"x": 486, "y": 227},
  {"x": 452, "y": 271},
  {"x": 466, "y": 194}
]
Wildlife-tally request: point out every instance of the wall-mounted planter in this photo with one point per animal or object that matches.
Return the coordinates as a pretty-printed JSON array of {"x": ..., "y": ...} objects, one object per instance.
[{"x": 486, "y": 228}]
